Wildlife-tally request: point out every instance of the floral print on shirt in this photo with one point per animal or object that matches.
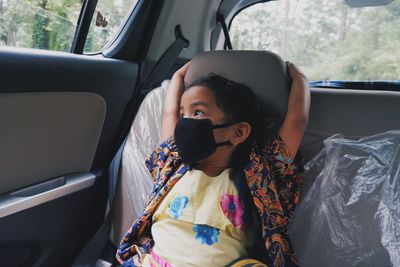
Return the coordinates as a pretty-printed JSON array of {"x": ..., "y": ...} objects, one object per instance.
[
  {"x": 274, "y": 180},
  {"x": 206, "y": 234},
  {"x": 177, "y": 205},
  {"x": 233, "y": 210}
]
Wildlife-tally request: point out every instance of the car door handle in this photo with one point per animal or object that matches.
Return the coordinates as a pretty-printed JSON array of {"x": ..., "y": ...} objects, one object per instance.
[{"x": 26, "y": 198}]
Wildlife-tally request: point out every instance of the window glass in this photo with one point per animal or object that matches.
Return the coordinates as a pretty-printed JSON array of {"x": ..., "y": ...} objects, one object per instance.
[
  {"x": 327, "y": 39},
  {"x": 42, "y": 24},
  {"x": 108, "y": 18}
]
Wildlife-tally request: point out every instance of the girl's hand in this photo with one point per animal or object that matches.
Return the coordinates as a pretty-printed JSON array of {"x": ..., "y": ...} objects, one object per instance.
[
  {"x": 175, "y": 88},
  {"x": 294, "y": 71},
  {"x": 296, "y": 74},
  {"x": 172, "y": 102},
  {"x": 180, "y": 74}
]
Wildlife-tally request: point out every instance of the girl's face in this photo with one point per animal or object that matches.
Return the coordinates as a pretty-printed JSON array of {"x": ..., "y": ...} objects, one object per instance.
[{"x": 198, "y": 102}]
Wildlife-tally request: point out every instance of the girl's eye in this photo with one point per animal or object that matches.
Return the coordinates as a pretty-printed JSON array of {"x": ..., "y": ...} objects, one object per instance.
[{"x": 198, "y": 113}]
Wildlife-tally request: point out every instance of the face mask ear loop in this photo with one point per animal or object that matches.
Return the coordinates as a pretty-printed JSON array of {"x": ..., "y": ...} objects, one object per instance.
[
  {"x": 224, "y": 143},
  {"x": 223, "y": 125}
]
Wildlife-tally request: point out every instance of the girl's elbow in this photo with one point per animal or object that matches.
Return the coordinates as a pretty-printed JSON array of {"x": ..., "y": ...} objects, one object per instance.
[
  {"x": 303, "y": 121},
  {"x": 300, "y": 121}
]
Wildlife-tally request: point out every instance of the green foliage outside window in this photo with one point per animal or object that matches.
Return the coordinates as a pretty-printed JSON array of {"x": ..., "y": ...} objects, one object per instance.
[
  {"x": 326, "y": 38},
  {"x": 51, "y": 24},
  {"x": 43, "y": 24}
]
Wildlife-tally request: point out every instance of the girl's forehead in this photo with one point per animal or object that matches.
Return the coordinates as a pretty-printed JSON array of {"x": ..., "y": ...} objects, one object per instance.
[
  {"x": 198, "y": 93},
  {"x": 201, "y": 96}
]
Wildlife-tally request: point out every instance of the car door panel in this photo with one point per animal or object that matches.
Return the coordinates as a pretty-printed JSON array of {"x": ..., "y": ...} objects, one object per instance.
[
  {"x": 48, "y": 134},
  {"x": 49, "y": 234},
  {"x": 30, "y": 70},
  {"x": 59, "y": 118}
]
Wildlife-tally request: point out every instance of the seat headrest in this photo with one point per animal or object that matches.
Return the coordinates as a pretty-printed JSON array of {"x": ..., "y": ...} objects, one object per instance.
[{"x": 264, "y": 72}]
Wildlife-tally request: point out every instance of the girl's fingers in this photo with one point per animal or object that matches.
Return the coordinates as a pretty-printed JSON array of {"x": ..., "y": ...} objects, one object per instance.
[
  {"x": 294, "y": 71},
  {"x": 182, "y": 71}
]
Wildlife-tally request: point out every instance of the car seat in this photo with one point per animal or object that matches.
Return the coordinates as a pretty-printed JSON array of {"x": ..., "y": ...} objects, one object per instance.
[{"x": 267, "y": 75}]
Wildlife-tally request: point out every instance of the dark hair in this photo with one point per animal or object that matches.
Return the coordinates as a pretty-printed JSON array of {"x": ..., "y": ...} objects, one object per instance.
[{"x": 239, "y": 103}]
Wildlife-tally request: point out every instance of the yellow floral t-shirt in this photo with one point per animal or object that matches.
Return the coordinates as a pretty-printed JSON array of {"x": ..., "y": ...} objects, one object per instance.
[{"x": 199, "y": 223}]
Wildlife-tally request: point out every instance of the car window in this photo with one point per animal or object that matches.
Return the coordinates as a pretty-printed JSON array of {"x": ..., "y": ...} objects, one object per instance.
[
  {"x": 42, "y": 24},
  {"x": 327, "y": 39},
  {"x": 107, "y": 20},
  {"x": 51, "y": 24}
]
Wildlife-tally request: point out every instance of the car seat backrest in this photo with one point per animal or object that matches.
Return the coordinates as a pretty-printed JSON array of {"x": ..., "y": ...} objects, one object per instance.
[{"x": 352, "y": 113}]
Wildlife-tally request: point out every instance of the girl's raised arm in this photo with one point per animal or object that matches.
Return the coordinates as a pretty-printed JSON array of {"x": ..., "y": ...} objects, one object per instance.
[
  {"x": 296, "y": 119},
  {"x": 172, "y": 102}
]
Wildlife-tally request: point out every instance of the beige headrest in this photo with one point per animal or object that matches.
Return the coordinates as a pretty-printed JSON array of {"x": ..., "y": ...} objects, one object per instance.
[{"x": 264, "y": 72}]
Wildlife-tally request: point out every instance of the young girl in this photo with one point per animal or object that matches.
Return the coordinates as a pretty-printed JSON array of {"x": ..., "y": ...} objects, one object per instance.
[{"x": 223, "y": 192}]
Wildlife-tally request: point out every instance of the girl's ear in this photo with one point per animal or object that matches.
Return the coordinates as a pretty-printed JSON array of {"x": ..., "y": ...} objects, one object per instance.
[{"x": 241, "y": 132}]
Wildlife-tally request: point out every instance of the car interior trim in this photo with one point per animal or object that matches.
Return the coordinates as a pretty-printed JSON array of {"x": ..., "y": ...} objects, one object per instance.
[
  {"x": 73, "y": 123},
  {"x": 44, "y": 192}
]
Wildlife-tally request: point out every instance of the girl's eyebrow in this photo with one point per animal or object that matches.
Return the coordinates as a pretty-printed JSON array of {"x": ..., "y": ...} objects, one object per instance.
[
  {"x": 197, "y": 103},
  {"x": 200, "y": 103}
]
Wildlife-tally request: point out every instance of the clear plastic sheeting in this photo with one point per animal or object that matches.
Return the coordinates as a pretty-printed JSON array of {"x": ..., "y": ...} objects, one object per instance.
[
  {"x": 135, "y": 180},
  {"x": 349, "y": 214}
]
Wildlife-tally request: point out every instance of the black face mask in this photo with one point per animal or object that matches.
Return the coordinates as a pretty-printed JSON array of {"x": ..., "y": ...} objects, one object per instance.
[{"x": 194, "y": 139}]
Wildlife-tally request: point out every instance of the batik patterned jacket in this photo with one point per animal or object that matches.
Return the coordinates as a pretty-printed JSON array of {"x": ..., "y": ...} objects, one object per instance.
[{"x": 274, "y": 180}]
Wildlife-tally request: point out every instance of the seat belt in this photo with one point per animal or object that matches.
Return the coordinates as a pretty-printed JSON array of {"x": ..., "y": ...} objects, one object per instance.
[
  {"x": 167, "y": 59},
  {"x": 90, "y": 254},
  {"x": 156, "y": 75},
  {"x": 221, "y": 20}
]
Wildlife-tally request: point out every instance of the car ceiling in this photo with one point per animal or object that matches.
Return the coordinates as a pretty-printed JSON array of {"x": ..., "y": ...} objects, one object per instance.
[{"x": 198, "y": 22}]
